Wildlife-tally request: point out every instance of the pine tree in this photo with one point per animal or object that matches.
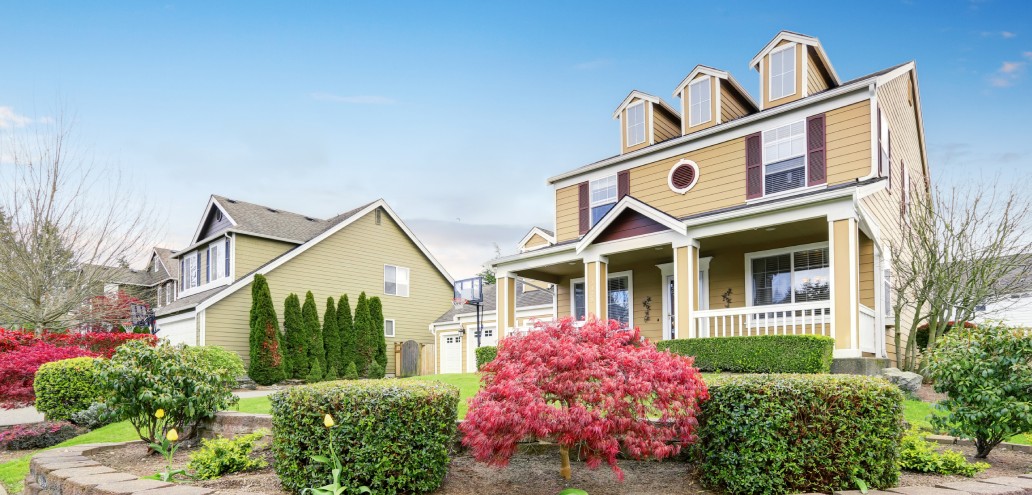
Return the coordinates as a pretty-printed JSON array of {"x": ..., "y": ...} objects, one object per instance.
[
  {"x": 378, "y": 337},
  {"x": 351, "y": 373},
  {"x": 310, "y": 319},
  {"x": 346, "y": 327},
  {"x": 266, "y": 366},
  {"x": 316, "y": 374},
  {"x": 331, "y": 338},
  {"x": 364, "y": 346},
  {"x": 295, "y": 356}
]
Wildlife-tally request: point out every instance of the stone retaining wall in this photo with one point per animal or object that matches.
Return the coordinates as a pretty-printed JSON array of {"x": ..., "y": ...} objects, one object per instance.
[
  {"x": 231, "y": 423},
  {"x": 68, "y": 471}
]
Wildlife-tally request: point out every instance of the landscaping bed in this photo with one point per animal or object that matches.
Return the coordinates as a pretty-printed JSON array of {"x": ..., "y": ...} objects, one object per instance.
[{"x": 1002, "y": 462}]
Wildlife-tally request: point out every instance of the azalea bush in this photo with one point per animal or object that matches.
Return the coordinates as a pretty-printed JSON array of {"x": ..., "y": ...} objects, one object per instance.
[
  {"x": 986, "y": 374},
  {"x": 596, "y": 389}
]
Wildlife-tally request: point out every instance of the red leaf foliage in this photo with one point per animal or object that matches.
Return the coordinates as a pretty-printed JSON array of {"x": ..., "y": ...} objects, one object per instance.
[{"x": 595, "y": 388}]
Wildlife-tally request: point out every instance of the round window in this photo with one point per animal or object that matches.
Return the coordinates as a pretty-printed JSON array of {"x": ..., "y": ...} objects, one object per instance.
[
  {"x": 218, "y": 215},
  {"x": 683, "y": 176}
]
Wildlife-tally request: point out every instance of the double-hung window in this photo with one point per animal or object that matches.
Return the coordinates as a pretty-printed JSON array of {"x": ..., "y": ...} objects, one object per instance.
[
  {"x": 388, "y": 328},
  {"x": 618, "y": 298},
  {"x": 789, "y": 276},
  {"x": 603, "y": 197},
  {"x": 699, "y": 109},
  {"x": 635, "y": 126},
  {"x": 191, "y": 270},
  {"x": 784, "y": 158},
  {"x": 395, "y": 280},
  {"x": 214, "y": 263},
  {"x": 578, "y": 301},
  {"x": 782, "y": 72}
]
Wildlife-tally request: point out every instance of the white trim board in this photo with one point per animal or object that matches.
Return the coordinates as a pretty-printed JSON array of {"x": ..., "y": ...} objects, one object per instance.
[
  {"x": 800, "y": 39},
  {"x": 207, "y": 209},
  {"x": 539, "y": 231},
  {"x": 644, "y": 96}
]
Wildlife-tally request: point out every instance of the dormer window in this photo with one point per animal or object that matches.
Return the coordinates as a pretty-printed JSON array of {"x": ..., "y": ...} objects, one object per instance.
[
  {"x": 699, "y": 110},
  {"x": 636, "y": 124},
  {"x": 603, "y": 197},
  {"x": 782, "y": 72}
]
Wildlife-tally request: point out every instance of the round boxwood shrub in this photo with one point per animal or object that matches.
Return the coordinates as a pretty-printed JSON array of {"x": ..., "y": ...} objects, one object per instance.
[
  {"x": 217, "y": 361},
  {"x": 765, "y": 434},
  {"x": 66, "y": 387},
  {"x": 485, "y": 355},
  {"x": 392, "y": 435}
]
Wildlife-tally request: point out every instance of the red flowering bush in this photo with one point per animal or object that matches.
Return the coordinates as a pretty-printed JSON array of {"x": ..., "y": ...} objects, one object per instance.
[
  {"x": 37, "y": 435},
  {"x": 597, "y": 388},
  {"x": 18, "y": 370}
]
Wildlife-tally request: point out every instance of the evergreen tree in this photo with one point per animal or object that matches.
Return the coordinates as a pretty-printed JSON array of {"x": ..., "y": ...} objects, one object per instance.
[
  {"x": 295, "y": 356},
  {"x": 376, "y": 370},
  {"x": 266, "y": 366},
  {"x": 346, "y": 327},
  {"x": 378, "y": 337},
  {"x": 316, "y": 374},
  {"x": 310, "y": 319},
  {"x": 331, "y": 339},
  {"x": 365, "y": 348},
  {"x": 351, "y": 373}
]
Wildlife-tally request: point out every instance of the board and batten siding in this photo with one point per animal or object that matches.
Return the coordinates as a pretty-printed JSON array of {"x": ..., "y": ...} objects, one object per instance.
[
  {"x": 896, "y": 102},
  {"x": 348, "y": 262},
  {"x": 848, "y": 134},
  {"x": 252, "y": 252}
]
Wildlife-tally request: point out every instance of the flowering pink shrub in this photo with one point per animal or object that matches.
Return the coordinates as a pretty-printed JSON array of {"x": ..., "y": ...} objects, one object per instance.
[
  {"x": 18, "y": 370},
  {"x": 597, "y": 388},
  {"x": 37, "y": 435}
]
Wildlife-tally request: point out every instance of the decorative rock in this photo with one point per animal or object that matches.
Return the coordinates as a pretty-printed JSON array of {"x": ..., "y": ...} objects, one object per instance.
[
  {"x": 986, "y": 488},
  {"x": 926, "y": 490},
  {"x": 905, "y": 380},
  {"x": 130, "y": 486},
  {"x": 231, "y": 423}
]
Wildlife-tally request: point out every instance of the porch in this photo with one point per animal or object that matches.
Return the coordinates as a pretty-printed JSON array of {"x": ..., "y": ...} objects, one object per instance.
[{"x": 808, "y": 276}]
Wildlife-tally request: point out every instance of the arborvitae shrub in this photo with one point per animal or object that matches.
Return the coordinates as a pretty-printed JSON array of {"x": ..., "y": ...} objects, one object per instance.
[
  {"x": 346, "y": 328},
  {"x": 364, "y": 347},
  {"x": 316, "y": 374},
  {"x": 331, "y": 337},
  {"x": 296, "y": 355},
  {"x": 377, "y": 336},
  {"x": 310, "y": 319},
  {"x": 266, "y": 366},
  {"x": 351, "y": 373},
  {"x": 376, "y": 370}
]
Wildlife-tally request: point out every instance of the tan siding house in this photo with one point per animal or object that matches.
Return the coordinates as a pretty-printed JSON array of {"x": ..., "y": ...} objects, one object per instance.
[{"x": 775, "y": 217}]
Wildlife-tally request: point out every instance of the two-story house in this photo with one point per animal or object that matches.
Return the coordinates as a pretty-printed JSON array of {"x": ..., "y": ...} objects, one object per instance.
[
  {"x": 365, "y": 249},
  {"x": 729, "y": 216}
]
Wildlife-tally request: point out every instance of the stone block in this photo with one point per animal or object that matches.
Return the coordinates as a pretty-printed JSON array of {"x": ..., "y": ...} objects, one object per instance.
[
  {"x": 178, "y": 490},
  {"x": 905, "y": 380},
  {"x": 83, "y": 485},
  {"x": 859, "y": 366},
  {"x": 869, "y": 492},
  {"x": 1015, "y": 481},
  {"x": 926, "y": 490},
  {"x": 79, "y": 471},
  {"x": 983, "y": 488},
  {"x": 43, "y": 465},
  {"x": 130, "y": 486}
]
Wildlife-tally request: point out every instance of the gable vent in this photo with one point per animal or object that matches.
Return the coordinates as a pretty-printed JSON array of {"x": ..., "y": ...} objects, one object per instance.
[
  {"x": 231, "y": 200},
  {"x": 272, "y": 210},
  {"x": 683, "y": 176},
  {"x": 310, "y": 219}
]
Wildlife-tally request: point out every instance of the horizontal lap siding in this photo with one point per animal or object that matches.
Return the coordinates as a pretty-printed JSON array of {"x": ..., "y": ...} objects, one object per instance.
[
  {"x": 667, "y": 127},
  {"x": 815, "y": 80},
  {"x": 253, "y": 252},
  {"x": 567, "y": 224},
  {"x": 535, "y": 241},
  {"x": 348, "y": 262},
  {"x": 731, "y": 106},
  {"x": 721, "y": 180},
  {"x": 849, "y": 142}
]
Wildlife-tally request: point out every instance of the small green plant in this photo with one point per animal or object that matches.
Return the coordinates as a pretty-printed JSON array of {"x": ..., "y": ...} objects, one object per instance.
[
  {"x": 485, "y": 355},
  {"x": 920, "y": 455},
  {"x": 316, "y": 373},
  {"x": 352, "y": 372},
  {"x": 220, "y": 456},
  {"x": 376, "y": 370},
  {"x": 572, "y": 491},
  {"x": 334, "y": 488},
  {"x": 167, "y": 448}
]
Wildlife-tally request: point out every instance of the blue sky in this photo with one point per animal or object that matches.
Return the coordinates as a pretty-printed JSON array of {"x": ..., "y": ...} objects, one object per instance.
[{"x": 457, "y": 113}]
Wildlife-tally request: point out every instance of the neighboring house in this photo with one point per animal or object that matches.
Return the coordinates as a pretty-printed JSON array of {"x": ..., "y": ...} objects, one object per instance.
[
  {"x": 365, "y": 249},
  {"x": 155, "y": 284},
  {"x": 165, "y": 272},
  {"x": 726, "y": 216},
  {"x": 1014, "y": 307}
]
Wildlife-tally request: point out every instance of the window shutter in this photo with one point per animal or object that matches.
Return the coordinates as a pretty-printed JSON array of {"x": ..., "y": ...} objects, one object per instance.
[
  {"x": 197, "y": 263},
  {"x": 623, "y": 184},
  {"x": 227, "y": 257},
  {"x": 182, "y": 272},
  {"x": 817, "y": 169},
  {"x": 207, "y": 261},
  {"x": 584, "y": 207},
  {"x": 881, "y": 166},
  {"x": 753, "y": 166}
]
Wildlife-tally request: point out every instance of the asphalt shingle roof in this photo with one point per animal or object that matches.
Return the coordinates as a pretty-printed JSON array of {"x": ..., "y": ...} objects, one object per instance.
[{"x": 272, "y": 222}]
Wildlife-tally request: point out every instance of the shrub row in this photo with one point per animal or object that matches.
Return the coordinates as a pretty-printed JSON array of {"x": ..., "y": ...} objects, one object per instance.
[
  {"x": 765, "y": 434},
  {"x": 392, "y": 435},
  {"x": 757, "y": 354},
  {"x": 485, "y": 355}
]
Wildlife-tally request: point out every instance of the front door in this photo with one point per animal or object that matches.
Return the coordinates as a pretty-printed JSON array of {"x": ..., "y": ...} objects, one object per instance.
[{"x": 669, "y": 296}]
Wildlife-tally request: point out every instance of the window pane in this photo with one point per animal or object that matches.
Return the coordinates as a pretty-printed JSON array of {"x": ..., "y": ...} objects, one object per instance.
[
  {"x": 619, "y": 306},
  {"x": 598, "y": 211},
  {"x": 402, "y": 276},
  {"x": 811, "y": 275},
  {"x": 772, "y": 280},
  {"x": 389, "y": 277},
  {"x": 388, "y": 328},
  {"x": 578, "y": 301},
  {"x": 784, "y": 176}
]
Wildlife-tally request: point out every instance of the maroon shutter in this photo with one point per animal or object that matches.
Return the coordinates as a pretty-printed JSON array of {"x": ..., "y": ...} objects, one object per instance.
[
  {"x": 584, "y": 207},
  {"x": 881, "y": 166},
  {"x": 816, "y": 167},
  {"x": 623, "y": 184},
  {"x": 753, "y": 166}
]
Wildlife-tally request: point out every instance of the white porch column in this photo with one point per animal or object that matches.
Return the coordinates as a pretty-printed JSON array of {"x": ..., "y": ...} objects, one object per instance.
[
  {"x": 844, "y": 250},
  {"x": 506, "y": 303},
  {"x": 596, "y": 287},
  {"x": 686, "y": 281}
]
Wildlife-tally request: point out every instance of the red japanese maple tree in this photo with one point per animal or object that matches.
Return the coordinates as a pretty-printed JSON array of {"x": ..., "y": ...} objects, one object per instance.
[
  {"x": 597, "y": 388},
  {"x": 109, "y": 312}
]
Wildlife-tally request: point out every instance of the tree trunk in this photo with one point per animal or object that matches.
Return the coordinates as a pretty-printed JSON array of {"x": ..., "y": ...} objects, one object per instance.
[
  {"x": 564, "y": 455},
  {"x": 983, "y": 446}
]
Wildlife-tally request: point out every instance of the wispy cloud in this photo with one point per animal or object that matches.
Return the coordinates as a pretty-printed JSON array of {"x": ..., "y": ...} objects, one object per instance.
[
  {"x": 1008, "y": 74},
  {"x": 599, "y": 63},
  {"x": 1001, "y": 34},
  {"x": 354, "y": 99},
  {"x": 9, "y": 118}
]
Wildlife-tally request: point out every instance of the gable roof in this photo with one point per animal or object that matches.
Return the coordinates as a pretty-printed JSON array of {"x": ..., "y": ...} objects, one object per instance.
[
  {"x": 164, "y": 256},
  {"x": 720, "y": 74},
  {"x": 524, "y": 299},
  {"x": 633, "y": 204},
  {"x": 647, "y": 97},
  {"x": 545, "y": 234},
  {"x": 803, "y": 40}
]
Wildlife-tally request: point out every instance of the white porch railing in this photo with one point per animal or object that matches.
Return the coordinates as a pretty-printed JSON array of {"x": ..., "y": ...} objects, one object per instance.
[
  {"x": 812, "y": 318},
  {"x": 868, "y": 335}
]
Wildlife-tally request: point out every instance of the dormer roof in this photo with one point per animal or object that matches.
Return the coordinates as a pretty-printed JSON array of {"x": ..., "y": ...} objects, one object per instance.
[
  {"x": 720, "y": 74},
  {"x": 644, "y": 96},
  {"x": 802, "y": 39}
]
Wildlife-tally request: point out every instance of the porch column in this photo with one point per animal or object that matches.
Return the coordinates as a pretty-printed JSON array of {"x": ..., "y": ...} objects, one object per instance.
[
  {"x": 686, "y": 280},
  {"x": 844, "y": 249},
  {"x": 596, "y": 287},
  {"x": 506, "y": 303}
]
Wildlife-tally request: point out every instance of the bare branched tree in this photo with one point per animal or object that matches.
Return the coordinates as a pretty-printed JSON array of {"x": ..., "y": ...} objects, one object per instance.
[
  {"x": 962, "y": 248},
  {"x": 63, "y": 218}
]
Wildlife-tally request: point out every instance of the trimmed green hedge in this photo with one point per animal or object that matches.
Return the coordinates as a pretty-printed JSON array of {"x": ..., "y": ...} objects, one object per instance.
[
  {"x": 757, "y": 354},
  {"x": 485, "y": 355},
  {"x": 392, "y": 435},
  {"x": 770, "y": 434},
  {"x": 66, "y": 387}
]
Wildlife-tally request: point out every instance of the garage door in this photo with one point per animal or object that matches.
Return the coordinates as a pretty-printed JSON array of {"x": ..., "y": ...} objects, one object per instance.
[
  {"x": 488, "y": 337},
  {"x": 451, "y": 353}
]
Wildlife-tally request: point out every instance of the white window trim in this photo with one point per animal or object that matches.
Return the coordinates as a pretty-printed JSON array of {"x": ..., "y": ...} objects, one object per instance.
[
  {"x": 630, "y": 295},
  {"x": 749, "y": 303},
  {"x": 770, "y": 72},
  {"x": 695, "y": 177},
  {"x": 592, "y": 203},
  {"x": 627, "y": 125},
  {"x": 201, "y": 285},
  {"x": 806, "y": 158},
  {"x": 709, "y": 100},
  {"x": 219, "y": 258},
  {"x": 408, "y": 285},
  {"x": 573, "y": 309},
  {"x": 394, "y": 328}
]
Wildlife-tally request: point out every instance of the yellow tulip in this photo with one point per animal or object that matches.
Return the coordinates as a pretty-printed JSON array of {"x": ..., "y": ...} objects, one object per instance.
[
  {"x": 327, "y": 420},
  {"x": 160, "y": 413},
  {"x": 172, "y": 436}
]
